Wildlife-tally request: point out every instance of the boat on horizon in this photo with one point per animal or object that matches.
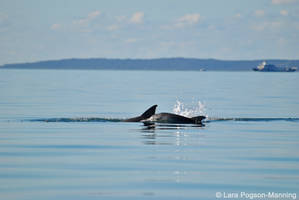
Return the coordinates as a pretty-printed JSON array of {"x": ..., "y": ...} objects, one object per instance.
[{"x": 264, "y": 67}]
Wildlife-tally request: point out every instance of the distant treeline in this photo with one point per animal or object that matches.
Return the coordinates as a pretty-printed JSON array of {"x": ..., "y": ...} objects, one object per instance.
[{"x": 151, "y": 64}]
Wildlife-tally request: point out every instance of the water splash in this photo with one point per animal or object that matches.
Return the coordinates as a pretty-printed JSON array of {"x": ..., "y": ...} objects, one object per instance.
[{"x": 189, "y": 110}]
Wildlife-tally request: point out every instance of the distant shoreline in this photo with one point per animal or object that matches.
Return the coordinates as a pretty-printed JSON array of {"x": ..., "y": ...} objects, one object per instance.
[{"x": 163, "y": 64}]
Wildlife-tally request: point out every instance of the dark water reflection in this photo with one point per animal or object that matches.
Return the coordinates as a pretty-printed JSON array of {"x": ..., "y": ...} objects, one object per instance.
[{"x": 166, "y": 134}]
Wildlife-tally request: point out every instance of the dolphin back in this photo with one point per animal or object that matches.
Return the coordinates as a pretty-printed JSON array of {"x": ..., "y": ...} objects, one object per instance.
[{"x": 198, "y": 119}]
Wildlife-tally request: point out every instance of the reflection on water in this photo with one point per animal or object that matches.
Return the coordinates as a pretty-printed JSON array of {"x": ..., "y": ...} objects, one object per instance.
[
  {"x": 161, "y": 126},
  {"x": 173, "y": 134},
  {"x": 176, "y": 137}
]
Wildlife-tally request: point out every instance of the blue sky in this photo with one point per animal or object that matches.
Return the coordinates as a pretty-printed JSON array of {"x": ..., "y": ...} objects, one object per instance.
[{"x": 34, "y": 30}]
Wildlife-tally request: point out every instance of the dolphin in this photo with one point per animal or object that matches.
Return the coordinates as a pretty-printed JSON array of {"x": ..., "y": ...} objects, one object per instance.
[
  {"x": 149, "y": 116},
  {"x": 174, "y": 119}
]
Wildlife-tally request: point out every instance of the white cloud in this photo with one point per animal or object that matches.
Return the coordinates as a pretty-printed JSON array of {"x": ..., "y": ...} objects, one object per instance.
[
  {"x": 282, "y": 41},
  {"x": 131, "y": 40},
  {"x": 283, "y": 1},
  {"x": 284, "y": 12},
  {"x": 123, "y": 21},
  {"x": 3, "y": 17},
  {"x": 187, "y": 20},
  {"x": 55, "y": 26},
  {"x": 259, "y": 13},
  {"x": 91, "y": 16},
  {"x": 259, "y": 27},
  {"x": 238, "y": 15},
  {"x": 113, "y": 27},
  {"x": 274, "y": 25},
  {"x": 121, "y": 18},
  {"x": 4, "y": 22},
  {"x": 137, "y": 18}
]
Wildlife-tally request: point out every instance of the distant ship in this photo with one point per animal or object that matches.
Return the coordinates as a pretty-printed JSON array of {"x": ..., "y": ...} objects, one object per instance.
[{"x": 264, "y": 67}]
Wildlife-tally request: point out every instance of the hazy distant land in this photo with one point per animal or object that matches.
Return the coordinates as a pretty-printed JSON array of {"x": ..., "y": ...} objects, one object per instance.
[{"x": 150, "y": 64}]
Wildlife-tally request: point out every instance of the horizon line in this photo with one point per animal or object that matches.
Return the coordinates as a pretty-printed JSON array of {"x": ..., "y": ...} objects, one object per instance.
[{"x": 156, "y": 58}]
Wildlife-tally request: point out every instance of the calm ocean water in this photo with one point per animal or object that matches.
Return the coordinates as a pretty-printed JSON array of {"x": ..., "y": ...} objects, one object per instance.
[{"x": 248, "y": 146}]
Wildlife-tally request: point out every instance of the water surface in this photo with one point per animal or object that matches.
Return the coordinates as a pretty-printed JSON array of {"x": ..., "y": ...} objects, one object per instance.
[{"x": 249, "y": 143}]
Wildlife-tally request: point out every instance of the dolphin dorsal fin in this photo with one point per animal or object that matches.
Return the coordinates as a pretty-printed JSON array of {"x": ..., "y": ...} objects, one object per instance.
[{"x": 149, "y": 112}]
